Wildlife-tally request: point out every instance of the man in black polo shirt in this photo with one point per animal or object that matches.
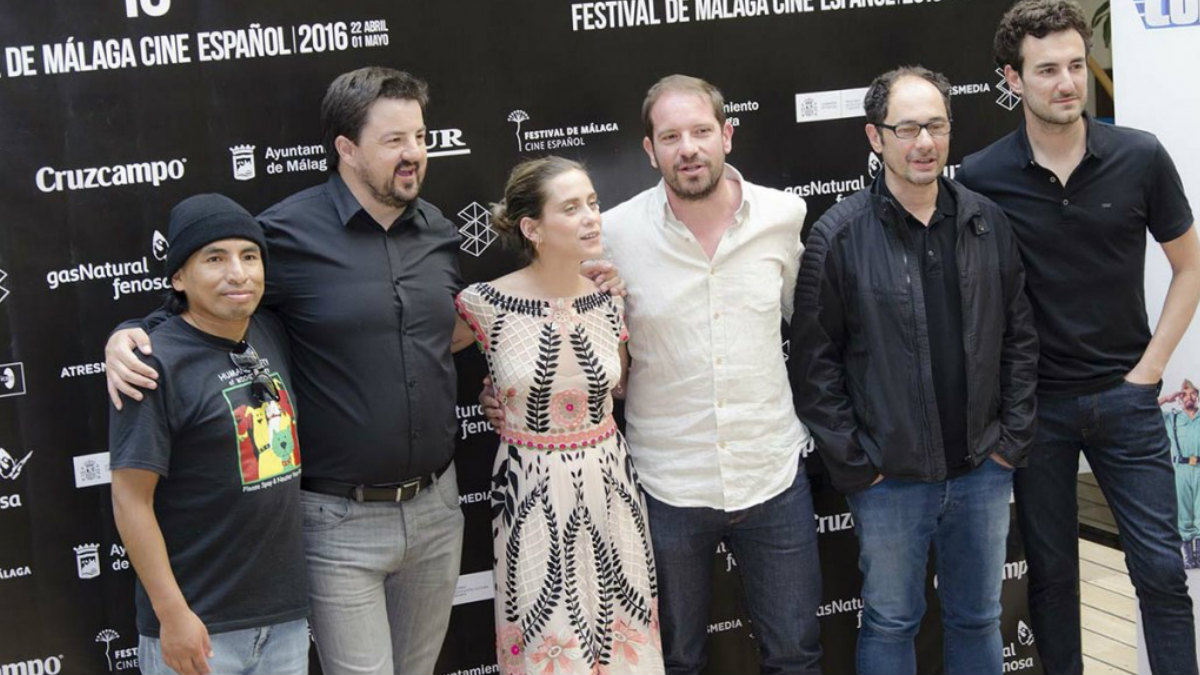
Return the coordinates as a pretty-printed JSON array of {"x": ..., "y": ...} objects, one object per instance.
[
  {"x": 1081, "y": 196},
  {"x": 913, "y": 365},
  {"x": 206, "y": 468}
]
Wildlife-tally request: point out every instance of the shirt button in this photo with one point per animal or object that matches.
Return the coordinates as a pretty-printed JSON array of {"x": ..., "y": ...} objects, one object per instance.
[
  {"x": 1053, "y": 179},
  {"x": 720, "y": 404},
  {"x": 930, "y": 253},
  {"x": 412, "y": 382},
  {"x": 1066, "y": 202},
  {"x": 716, "y": 315},
  {"x": 718, "y": 360}
]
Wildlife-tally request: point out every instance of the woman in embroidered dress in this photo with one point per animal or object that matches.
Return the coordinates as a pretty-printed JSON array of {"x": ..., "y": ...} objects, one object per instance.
[{"x": 575, "y": 584}]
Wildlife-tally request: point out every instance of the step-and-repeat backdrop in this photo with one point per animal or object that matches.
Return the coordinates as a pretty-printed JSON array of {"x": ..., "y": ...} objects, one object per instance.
[{"x": 112, "y": 111}]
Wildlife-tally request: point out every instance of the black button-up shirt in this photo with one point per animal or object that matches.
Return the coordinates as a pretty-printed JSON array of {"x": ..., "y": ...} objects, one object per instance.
[
  {"x": 369, "y": 313},
  {"x": 936, "y": 243},
  {"x": 1084, "y": 246}
]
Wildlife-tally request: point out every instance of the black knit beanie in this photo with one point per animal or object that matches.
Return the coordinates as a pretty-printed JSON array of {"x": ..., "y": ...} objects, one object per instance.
[{"x": 202, "y": 219}]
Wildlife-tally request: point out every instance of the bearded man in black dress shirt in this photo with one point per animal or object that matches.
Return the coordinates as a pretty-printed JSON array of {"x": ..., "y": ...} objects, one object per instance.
[{"x": 363, "y": 277}]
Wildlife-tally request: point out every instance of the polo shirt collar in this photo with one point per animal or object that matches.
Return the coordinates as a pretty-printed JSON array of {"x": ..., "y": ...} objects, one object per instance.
[
  {"x": 348, "y": 207},
  {"x": 1093, "y": 138},
  {"x": 743, "y": 212}
]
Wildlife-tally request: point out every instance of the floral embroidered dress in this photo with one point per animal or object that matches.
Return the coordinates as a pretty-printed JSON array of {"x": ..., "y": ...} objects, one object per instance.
[{"x": 575, "y": 584}]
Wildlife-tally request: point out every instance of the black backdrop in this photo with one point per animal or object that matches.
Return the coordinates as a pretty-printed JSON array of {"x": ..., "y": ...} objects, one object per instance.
[{"x": 112, "y": 111}]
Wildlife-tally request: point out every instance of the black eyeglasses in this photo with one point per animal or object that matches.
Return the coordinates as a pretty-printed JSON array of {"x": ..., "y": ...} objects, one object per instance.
[
  {"x": 262, "y": 385},
  {"x": 910, "y": 130}
]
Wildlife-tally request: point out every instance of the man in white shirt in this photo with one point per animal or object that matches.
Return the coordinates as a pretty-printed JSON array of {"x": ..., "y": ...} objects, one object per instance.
[{"x": 710, "y": 264}]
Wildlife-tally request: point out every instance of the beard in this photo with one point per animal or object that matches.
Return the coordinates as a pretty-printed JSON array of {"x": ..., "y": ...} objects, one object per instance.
[
  {"x": 695, "y": 191},
  {"x": 387, "y": 193}
]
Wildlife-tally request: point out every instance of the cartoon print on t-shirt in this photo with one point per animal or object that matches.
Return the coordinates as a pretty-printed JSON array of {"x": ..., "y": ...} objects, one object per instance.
[{"x": 266, "y": 434}]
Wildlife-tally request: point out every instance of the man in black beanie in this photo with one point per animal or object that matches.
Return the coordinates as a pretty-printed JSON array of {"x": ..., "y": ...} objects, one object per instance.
[{"x": 205, "y": 467}]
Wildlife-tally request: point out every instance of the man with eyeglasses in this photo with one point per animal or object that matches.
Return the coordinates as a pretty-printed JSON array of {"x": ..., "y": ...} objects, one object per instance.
[
  {"x": 206, "y": 467},
  {"x": 1082, "y": 197},
  {"x": 914, "y": 368}
]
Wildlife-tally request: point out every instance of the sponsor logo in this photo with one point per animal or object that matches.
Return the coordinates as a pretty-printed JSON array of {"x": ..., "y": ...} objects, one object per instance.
[
  {"x": 517, "y": 117},
  {"x": 1024, "y": 633},
  {"x": 837, "y": 522},
  {"x": 89, "y": 565},
  {"x": 92, "y": 470},
  {"x": 1016, "y": 569},
  {"x": 10, "y": 502},
  {"x": 874, "y": 165},
  {"x": 12, "y": 379},
  {"x": 1008, "y": 99},
  {"x": 7, "y": 573},
  {"x": 3, "y": 290},
  {"x": 49, "y": 665},
  {"x": 484, "y": 669},
  {"x": 118, "y": 272},
  {"x": 1172, "y": 14},
  {"x": 118, "y": 659},
  {"x": 722, "y": 626},
  {"x": 1012, "y": 663},
  {"x": 555, "y": 138},
  {"x": 10, "y": 467},
  {"x": 477, "y": 232},
  {"x": 835, "y": 607},
  {"x": 159, "y": 245},
  {"x": 243, "y": 162},
  {"x": 445, "y": 143},
  {"x": 87, "y": 560},
  {"x": 157, "y": 172},
  {"x": 733, "y": 110},
  {"x": 967, "y": 89},
  {"x": 818, "y": 106},
  {"x": 96, "y": 368}
]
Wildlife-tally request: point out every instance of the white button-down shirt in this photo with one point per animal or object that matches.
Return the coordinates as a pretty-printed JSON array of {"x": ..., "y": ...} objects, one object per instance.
[{"x": 709, "y": 409}]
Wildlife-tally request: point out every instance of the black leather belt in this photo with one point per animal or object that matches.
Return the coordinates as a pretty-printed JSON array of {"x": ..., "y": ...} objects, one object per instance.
[
  {"x": 398, "y": 492},
  {"x": 1192, "y": 461}
]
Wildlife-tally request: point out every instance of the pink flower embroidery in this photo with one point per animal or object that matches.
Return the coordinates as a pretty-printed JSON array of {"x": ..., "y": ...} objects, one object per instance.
[
  {"x": 510, "y": 649},
  {"x": 625, "y": 641},
  {"x": 556, "y": 652},
  {"x": 568, "y": 409}
]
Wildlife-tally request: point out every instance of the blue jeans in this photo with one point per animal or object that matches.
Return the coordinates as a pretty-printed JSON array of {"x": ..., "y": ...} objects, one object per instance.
[
  {"x": 1121, "y": 432},
  {"x": 966, "y": 520},
  {"x": 279, "y": 649},
  {"x": 775, "y": 544},
  {"x": 381, "y": 578}
]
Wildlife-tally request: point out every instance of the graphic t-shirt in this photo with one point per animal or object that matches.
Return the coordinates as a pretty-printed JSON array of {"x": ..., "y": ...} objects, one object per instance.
[{"x": 228, "y": 502}]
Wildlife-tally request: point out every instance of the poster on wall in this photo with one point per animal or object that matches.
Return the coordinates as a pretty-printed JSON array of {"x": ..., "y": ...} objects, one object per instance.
[{"x": 114, "y": 111}]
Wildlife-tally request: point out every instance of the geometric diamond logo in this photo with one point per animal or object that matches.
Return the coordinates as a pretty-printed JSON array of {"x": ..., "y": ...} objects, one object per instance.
[
  {"x": 1008, "y": 99},
  {"x": 477, "y": 233},
  {"x": 3, "y": 290}
]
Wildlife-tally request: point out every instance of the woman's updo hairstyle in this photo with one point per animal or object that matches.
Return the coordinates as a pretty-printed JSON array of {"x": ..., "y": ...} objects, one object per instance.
[{"x": 525, "y": 197}]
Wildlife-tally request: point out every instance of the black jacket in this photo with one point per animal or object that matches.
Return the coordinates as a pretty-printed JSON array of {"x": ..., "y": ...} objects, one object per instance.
[{"x": 860, "y": 356}]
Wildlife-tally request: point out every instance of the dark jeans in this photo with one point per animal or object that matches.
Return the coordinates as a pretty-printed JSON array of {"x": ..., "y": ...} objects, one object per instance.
[
  {"x": 966, "y": 520},
  {"x": 1121, "y": 432},
  {"x": 775, "y": 544}
]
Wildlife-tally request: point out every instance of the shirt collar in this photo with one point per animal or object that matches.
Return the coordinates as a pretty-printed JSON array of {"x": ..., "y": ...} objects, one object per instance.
[
  {"x": 1095, "y": 144},
  {"x": 348, "y": 206},
  {"x": 945, "y": 207},
  {"x": 743, "y": 211}
]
